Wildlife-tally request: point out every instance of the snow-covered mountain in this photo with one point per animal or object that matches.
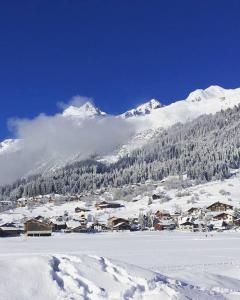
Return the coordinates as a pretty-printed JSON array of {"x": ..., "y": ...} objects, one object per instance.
[
  {"x": 87, "y": 110},
  {"x": 7, "y": 144},
  {"x": 147, "y": 120},
  {"x": 143, "y": 109}
]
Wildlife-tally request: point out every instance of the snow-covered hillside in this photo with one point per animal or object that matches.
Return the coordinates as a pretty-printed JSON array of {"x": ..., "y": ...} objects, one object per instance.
[{"x": 143, "y": 123}]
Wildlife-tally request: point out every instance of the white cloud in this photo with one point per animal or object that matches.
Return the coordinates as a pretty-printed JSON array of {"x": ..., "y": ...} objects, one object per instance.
[{"x": 54, "y": 140}]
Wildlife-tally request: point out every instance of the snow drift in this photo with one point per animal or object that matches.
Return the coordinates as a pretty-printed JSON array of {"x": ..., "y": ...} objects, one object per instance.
[{"x": 87, "y": 277}]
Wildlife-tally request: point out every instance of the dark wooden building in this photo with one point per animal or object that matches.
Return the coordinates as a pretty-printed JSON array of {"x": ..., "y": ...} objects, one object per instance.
[
  {"x": 105, "y": 204},
  {"x": 219, "y": 206},
  {"x": 34, "y": 227},
  {"x": 6, "y": 231}
]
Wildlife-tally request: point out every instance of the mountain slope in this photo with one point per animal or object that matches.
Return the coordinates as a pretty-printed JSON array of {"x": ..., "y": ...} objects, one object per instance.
[
  {"x": 125, "y": 133},
  {"x": 143, "y": 109},
  {"x": 204, "y": 149},
  {"x": 87, "y": 110}
]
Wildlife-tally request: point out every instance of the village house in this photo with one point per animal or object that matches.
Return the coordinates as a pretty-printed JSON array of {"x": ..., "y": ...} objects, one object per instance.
[
  {"x": 35, "y": 227},
  {"x": 194, "y": 210},
  {"x": 187, "y": 225},
  {"x": 114, "y": 221},
  {"x": 105, "y": 204},
  {"x": 9, "y": 230},
  {"x": 226, "y": 217},
  {"x": 58, "y": 225},
  {"x": 75, "y": 226},
  {"x": 122, "y": 226},
  {"x": 219, "y": 206},
  {"x": 80, "y": 209},
  {"x": 165, "y": 225},
  {"x": 162, "y": 215}
]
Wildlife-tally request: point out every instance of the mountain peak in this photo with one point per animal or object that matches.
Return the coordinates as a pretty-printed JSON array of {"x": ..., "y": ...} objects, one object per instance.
[
  {"x": 213, "y": 91},
  {"x": 143, "y": 109},
  {"x": 88, "y": 109}
]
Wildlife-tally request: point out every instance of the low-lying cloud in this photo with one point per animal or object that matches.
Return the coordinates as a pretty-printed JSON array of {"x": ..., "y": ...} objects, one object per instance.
[{"x": 51, "y": 141}]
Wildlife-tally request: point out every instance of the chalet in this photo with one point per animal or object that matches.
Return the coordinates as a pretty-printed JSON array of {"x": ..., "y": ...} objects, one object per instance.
[
  {"x": 162, "y": 215},
  {"x": 80, "y": 209},
  {"x": 193, "y": 210},
  {"x": 105, "y": 204},
  {"x": 228, "y": 218},
  {"x": 58, "y": 225},
  {"x": 9, "y": 230},
  {"x": 75, "y": 226},
  {"x": 165, "y": 225},
  {"x": 35, "y": 227},
  {"x": 187, "y": 225},
  {"x": 113, "y": 221},
  {"x": 219, "y": 206},
  {"x": 122, "y": 226}
]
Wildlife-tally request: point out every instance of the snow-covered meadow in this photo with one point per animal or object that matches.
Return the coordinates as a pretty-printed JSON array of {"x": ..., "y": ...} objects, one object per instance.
[{"x": 127, "y": 265}]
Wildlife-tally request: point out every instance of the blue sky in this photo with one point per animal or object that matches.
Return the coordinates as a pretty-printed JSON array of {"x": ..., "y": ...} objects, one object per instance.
[{"x": 120, "y": 53}]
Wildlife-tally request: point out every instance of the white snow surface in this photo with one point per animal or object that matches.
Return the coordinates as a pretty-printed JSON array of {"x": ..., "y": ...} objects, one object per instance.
[{"x": 140, "y": 265}]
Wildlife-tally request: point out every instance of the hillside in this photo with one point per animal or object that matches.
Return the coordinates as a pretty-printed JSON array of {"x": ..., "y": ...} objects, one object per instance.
[
  {"x": 204, "y": 149},
  {"x": 48, "y": 143}
]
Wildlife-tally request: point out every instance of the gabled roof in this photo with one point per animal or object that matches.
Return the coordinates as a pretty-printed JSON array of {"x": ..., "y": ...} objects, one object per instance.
[
  {"x": 223, "y": 213},
  {"x": 221, "y": 203}
]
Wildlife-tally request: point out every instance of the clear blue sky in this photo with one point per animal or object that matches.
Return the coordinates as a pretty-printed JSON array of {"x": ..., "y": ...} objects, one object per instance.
[{"x": 120, "y": 52}]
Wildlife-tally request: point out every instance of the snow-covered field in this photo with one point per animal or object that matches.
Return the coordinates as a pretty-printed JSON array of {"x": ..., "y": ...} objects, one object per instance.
[{"x": 137, "y": 265}]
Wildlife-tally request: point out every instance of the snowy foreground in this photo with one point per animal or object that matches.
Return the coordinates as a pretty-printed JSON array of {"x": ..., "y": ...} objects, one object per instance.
[{"x": 139, "y": 265}]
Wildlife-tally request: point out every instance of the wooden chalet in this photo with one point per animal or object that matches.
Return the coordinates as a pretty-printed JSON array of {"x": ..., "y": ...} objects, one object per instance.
[
  {"x": 35, "y": 227},
  {"x": 113, "y": 221},
  {"x": 187, "y": 225},
  {"x": 122, "y": 226},
  {"x": 105, "y": 204},
  {"x": 164, "y": 225},
  {"x": 80, "y": 209},
  {"x": 193, "y": 210},
  {"x": 9, "y": 231},
  {"x": 75, "y": 226},
  {"x": 228, "y": 218},
  {"x": 219, "y": 206},
  {"x": 58, "y": 225},
  {"x": 162, "y": 215}
]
